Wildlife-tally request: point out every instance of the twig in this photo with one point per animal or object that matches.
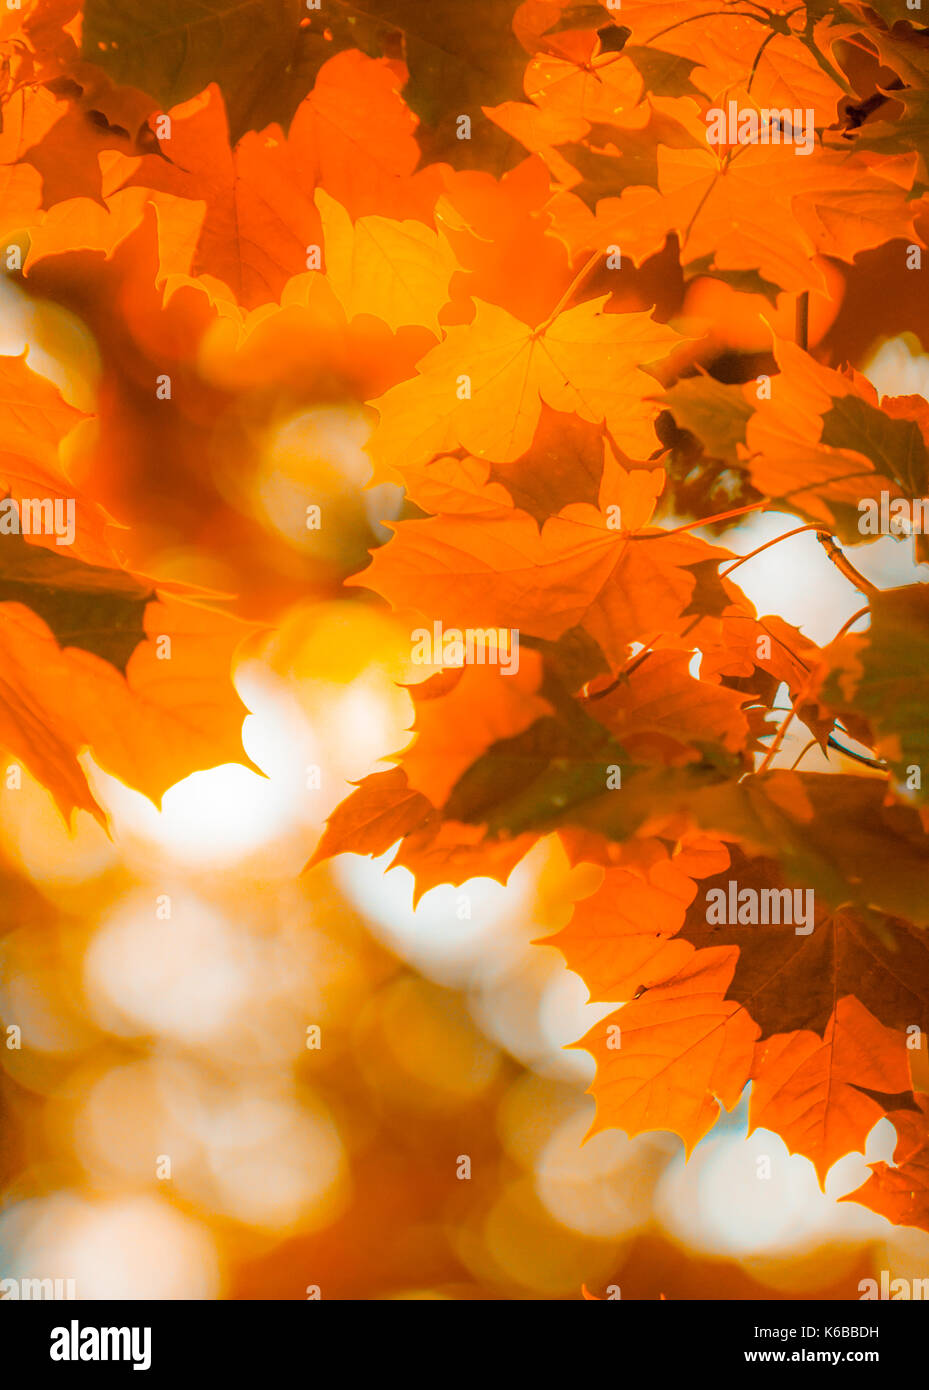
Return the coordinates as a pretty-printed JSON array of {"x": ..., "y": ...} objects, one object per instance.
[
  {"x": 802, "y": 754},
  {"x": 812, "y": 526},
  {"x": 845, "y": 566}
]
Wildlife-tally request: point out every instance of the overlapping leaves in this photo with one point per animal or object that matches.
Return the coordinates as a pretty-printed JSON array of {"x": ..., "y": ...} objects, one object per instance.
[{"x": 295, "y": 182}]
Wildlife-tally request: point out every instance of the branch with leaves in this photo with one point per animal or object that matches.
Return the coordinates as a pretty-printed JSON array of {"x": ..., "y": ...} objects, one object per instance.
[{"x": 590, "y": 336}]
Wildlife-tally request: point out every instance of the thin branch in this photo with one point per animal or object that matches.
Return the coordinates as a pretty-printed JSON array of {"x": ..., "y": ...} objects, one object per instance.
[
  {"x": 636, "y": 662},
  {"x": 701, "y": 521},
  {"x": 784, "y": 726},
  {"x": 802, "y": 754},
  {"x": 812, "y": 526},
  {"x": 763, "y": 45},
  {"x": 851, "y": 621},
  {"x": 844, "y": 565},
  {"x": 876, "y": 763},
  {"x": 802, "y": 692}
]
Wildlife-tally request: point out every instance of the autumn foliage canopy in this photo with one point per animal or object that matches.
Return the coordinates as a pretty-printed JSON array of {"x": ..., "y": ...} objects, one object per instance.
[{"x": 590, "y": 339}]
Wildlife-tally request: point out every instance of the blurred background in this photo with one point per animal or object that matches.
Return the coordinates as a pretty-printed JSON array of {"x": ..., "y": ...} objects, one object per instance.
[{"x": 240, "y": 1081}]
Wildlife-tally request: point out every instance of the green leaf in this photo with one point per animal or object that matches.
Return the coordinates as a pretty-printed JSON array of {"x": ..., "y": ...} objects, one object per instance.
[
  {"x": 574, "y": 658},
  {"x": 665, "y": 74},
  {"x": 533, "y": 781},
  {"x": 254, "y": 49},
  {"x": 895, "y": 447},
  {"x": 265, "y": 54},
  {"x": 744, "y": 281},
  {"x": 98, "y": 610},
  {"x": 579, "y": 16},
  {"x": 909, "y": 132},
  {"x": 716, "y": 413},
  {"x": 883, "y": 675},
  {"x": 831, "y": 833}
]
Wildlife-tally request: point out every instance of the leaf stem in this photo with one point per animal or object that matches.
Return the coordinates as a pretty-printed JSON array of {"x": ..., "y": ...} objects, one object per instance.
[
  {"x": 757, "y": 59},
  {"x": 877, "y": 763},
  {"x": 800, "y": 756},
  {"x": 812, "y": 526},
  {"x": 701, "y": 521},
  {"x": 785, "y": 724},
  {"x": 853, "y": 619},
  {"x": 569, "y": 293},
  {"x": 798, "y": 699}
]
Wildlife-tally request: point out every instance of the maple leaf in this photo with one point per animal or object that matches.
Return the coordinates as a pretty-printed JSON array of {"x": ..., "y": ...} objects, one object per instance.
[
  {"x": 533, "y": 781},
  {"x": 661, "y": 708},
  {"x": 786, "y": 63},
  {"x": 563, "y": 464},
  {"x": 243, "y": 212},
  {"x": 723, "y": 204},
  {"x": 787, "y": 813},
  {"x": 355, "y": 136},
  {"x": 900, "y": 1191},
  {"x": 56, "y": 701},
  {"x": 99, "y": 610},
  {"x": 265, "y": 54},
  {"x": 450, "y": 852},
  {"x": 57, "y": 115},
  {"x": 822, "y": 442},
  {"x": 793, "y": 981},
  {"x": 831, "y": 833},
  {"x": 460, "y": 713},
  {"x": 79, "y": 631},
  {"x": 378, "y": 813},
  {"x": 621, "y": 939},
  {"x": 21, "y": 182},
  {"x": 620, "y": 585},
  {"x": 585, "y": 360},
  {"x": 809, "y": 1090},
  {"x": 36, "y": 421},
  {"x": 685, "y": 1052},
  {"x": 571, "y": 97},
  {"x": 498, "y": 228},
  {"x": 257, "y": 224},
  {"x": 397, "y": 271},
  {"x": 457, "y": 485},
  {"x": 713, "y": 411},
  {"x": 596, "y": 159},
  {"x": 566, "y": 416},
  {"x": 174, "y": 52},
  {"x": 384, "y": 811},
  {"x": 818, "y": 999}
]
